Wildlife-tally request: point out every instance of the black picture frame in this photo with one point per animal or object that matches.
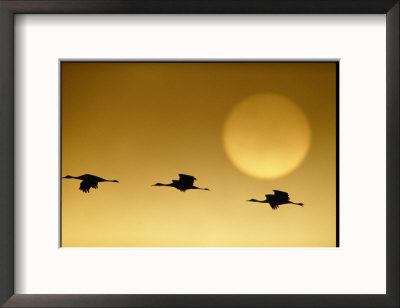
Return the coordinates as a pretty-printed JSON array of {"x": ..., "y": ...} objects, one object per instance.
[{"x": 8, "y": 8}]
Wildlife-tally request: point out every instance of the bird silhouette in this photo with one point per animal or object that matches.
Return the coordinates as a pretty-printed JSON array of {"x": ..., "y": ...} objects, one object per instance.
[
  {"x": 184, "y": 183},
  {"x": 88, "y": 181},
  {"x": 278, "y": 198}
]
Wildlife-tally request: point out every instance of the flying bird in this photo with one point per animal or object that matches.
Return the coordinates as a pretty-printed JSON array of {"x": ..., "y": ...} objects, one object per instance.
[
  {"x": 88, "y": 181},
  {"x": 185, "y": 182},
  {"x": 278, "y": 198}
]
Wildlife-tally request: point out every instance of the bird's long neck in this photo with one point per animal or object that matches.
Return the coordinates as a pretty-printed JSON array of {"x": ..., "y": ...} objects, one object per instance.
[
  {"x": 162, "y": 184},
  {"x": 71, "y": 177},
  {"x": 254, "y": 200}
]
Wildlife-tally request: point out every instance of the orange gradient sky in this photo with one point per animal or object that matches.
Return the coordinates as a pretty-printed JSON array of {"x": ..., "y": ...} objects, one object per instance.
[{"x": 142, "y": 123}]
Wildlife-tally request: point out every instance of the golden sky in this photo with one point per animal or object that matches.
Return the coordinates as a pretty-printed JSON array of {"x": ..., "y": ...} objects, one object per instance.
[{"x": 143, "y": 123}]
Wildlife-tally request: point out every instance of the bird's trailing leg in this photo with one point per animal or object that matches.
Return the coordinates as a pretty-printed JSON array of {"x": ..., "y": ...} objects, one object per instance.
[{"x": 195, "y": 187}]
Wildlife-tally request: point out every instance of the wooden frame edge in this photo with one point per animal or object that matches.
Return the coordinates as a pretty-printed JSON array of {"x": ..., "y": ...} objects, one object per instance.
[{"x": 10, "y": 7}]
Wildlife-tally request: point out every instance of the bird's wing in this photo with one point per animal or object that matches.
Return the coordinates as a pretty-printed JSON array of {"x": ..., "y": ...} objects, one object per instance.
[
  {"x": 281, "y": 194},
  {"x": 187, "y": 179},
  {"x": 92, "y": 178},
  {"x": 98, "y": 179},
  {"x": 271, "y": 199},
  {"x": 86, "y": 185},
  {"x": 274, "y": 206}
]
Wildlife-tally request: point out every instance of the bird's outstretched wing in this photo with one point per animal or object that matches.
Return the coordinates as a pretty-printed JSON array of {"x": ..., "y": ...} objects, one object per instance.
[
  {"x": 271, "y": 199},
  {"x": 186, "y": 179},
  {"x": 91, "y": 178},
  {"x": 86, "y": 185},
  {"x": 281, "y": 194}
]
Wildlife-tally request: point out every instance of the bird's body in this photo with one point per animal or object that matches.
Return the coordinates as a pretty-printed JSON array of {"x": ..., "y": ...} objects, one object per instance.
[
  {"x": 184, "y": 183},
  {"x": 88, "y": 181},
  {"x": 278, "y": 198}
]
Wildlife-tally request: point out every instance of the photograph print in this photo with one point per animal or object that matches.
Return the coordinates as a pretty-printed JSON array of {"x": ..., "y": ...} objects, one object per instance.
[{"x": 199, "y": 154}]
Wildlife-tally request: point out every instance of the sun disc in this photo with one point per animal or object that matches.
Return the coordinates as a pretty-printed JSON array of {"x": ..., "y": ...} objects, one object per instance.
[{"x": 266, "y": 136}]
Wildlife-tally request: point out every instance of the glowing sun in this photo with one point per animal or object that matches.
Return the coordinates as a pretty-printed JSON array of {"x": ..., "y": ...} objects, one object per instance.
[{"x": 266, "y": 136}]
